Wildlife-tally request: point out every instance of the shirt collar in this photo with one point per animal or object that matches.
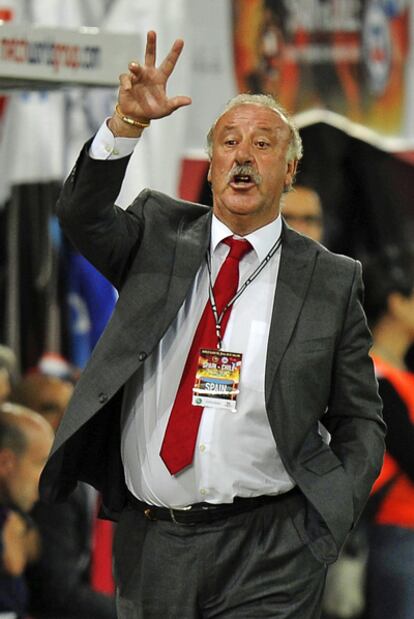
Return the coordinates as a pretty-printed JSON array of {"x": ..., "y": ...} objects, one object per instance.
[{"x": 262, "y": 239}]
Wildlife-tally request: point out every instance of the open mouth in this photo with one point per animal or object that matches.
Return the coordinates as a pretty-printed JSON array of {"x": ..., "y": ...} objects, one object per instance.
[
  {"x": 242, "y": 179},
  {"x": 243, "y": 182}
]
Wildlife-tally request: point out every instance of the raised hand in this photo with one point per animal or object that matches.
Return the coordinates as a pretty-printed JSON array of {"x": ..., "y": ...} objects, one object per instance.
[{"x": 142, "y": 92}]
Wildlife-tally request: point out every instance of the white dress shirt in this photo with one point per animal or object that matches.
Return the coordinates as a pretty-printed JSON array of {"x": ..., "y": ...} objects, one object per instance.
[{"x": 235, "y": 453}]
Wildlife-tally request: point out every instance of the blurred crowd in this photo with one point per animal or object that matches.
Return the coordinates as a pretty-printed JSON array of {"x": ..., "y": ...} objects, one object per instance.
[{"x": 56, "y": 559}]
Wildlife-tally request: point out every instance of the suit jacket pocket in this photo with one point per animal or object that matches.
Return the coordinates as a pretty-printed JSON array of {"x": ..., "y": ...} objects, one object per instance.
[
  {"x": 329, "y": 489},
  {"x": 322, "y": 462},
  {"x": 315, "y": 344}
]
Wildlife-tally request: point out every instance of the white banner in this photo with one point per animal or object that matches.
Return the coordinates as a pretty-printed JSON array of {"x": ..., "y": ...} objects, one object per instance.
[{"x": 57, "y": 55}]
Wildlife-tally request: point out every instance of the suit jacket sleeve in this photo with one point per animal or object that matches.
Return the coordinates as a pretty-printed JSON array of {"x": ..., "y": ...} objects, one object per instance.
[
  {"x": 104, "y": 234},
  {"x": 354, "y": 412}
]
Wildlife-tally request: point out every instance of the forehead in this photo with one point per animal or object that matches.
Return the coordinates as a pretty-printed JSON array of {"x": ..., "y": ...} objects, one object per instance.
[
  {"x": 252, "y": 116},
  {"x": 56, "y": 391},
  {"x": 39, "y": 444}
]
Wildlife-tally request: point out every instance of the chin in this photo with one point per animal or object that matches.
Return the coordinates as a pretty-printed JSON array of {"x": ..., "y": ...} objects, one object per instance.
[{"x": 242, "y": 206}]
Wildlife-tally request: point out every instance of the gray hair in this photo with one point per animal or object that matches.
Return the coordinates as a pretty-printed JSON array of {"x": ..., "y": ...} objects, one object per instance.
[{"x": 295, "y": 150}]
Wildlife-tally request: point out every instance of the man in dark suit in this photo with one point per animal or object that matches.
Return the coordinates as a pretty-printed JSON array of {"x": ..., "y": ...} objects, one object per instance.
[{"x": 234, "y": 487}]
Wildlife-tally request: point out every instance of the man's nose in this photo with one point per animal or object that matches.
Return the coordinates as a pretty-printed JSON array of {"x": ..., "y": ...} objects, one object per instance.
[{"x": 244, "y": 154}]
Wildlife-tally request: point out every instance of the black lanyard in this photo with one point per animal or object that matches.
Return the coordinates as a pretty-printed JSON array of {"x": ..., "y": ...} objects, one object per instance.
[{"x": 219, "y": 318}]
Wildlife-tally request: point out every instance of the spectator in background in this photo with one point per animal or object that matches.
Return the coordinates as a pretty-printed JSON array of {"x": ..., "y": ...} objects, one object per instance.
[
  {"x": 54, "y": 364},
  {"x": 59, "y": 581},
  {"x": 25, "y": 442},
  {"x": 389, "y": 304},
  {"x": 47, "y": 395},
  {"x": 7, "y": 370},
  {"x": 302, "y": 210}
]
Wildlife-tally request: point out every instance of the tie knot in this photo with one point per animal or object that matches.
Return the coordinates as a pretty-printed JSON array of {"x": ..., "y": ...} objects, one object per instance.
[{"x": 238, "y": 247}]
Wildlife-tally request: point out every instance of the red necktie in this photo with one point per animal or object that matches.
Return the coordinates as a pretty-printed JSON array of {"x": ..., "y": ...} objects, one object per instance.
[{"x": 177, "y": 450}]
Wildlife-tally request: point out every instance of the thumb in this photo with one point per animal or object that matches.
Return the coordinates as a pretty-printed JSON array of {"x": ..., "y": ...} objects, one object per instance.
[{"x": 176, "y": 102}]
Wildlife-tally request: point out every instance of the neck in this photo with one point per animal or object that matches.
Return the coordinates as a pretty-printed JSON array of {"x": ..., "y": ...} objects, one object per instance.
[
  {"x": 242, "y": 226},
  {"x": 391, "y": 343}
]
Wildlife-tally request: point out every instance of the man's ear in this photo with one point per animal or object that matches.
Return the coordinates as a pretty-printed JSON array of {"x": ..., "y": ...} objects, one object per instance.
[
  {"x": 291, "y": 168},
  {"x": 8, "y": 460},
  {"x": 209, "y": 173}
]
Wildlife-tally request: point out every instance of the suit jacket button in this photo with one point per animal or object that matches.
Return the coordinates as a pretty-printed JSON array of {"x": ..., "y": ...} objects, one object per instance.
[
  {"x": 102, "y": 398},
  {"x": 142, "y": 356}
]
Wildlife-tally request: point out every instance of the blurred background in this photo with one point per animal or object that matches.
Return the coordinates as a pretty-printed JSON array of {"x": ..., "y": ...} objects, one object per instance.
[{"x": 344, "y": 68}]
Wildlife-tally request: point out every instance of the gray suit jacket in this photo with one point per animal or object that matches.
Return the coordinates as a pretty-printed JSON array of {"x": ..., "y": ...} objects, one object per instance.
[{"x": 317, "y": 364}]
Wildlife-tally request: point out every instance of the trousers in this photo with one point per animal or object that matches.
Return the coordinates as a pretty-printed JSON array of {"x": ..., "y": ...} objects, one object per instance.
[{"x": 251, "y": 565}]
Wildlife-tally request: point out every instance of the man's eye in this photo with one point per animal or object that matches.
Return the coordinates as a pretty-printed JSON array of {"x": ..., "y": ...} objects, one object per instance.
[
  {"x": 262, "y": 144},
  {"x": 230, "y": 142}
]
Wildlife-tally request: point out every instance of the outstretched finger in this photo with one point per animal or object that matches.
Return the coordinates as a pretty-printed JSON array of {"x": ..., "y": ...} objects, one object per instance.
[
  {"x": 169, "y": 62},
  {"x": 151, "y": 49}
]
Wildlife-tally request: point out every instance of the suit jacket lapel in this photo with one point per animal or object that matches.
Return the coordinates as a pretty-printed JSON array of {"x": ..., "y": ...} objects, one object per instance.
[
  {"x": 192, "y": 242},
  {"x": 297, "y": 262}
]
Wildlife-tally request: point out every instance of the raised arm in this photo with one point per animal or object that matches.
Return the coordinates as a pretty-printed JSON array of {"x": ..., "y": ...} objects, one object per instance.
[
  {"x": 104, "y": 233},
  {"x": 143, "y": 91}
]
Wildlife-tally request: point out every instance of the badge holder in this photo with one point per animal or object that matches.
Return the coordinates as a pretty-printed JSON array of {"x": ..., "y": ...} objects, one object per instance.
[{"x": 217, "y": 379}]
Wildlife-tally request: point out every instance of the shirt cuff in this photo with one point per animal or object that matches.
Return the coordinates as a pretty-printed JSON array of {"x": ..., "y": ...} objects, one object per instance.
[{"x": 106, "y": 146}]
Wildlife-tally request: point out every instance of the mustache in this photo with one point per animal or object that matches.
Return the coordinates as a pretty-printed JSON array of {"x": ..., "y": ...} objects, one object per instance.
[{"x": 245, "y": 170}]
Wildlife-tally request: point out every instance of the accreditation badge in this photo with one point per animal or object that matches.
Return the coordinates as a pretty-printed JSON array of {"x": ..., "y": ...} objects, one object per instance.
[{"x": 217, "y": 379}]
